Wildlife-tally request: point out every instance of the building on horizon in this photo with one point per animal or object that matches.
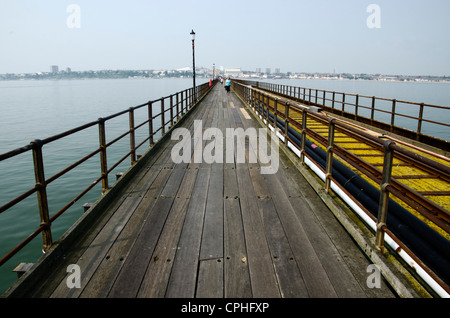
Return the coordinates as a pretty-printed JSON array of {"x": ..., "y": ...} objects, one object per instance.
[
  {"x": 233, "y": 72},
  {"x": 54, "y": 68}
]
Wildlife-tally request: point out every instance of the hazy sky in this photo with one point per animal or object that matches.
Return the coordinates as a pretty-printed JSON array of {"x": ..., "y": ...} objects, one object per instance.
[{"x": 293, "y": 35}]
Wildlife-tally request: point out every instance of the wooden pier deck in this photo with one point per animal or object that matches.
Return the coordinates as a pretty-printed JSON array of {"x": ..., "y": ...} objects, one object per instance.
[{"x": 213, "y": 230}]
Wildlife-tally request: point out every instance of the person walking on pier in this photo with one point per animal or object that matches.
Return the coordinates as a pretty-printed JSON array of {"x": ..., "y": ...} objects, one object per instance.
[{"x": 228, "y": 85}]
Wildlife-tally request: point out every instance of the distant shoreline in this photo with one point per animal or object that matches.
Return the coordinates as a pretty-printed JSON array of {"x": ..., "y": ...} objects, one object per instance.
[{"x": 206, "y": 73}]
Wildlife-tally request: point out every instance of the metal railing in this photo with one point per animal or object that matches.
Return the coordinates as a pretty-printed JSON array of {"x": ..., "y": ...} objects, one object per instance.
[
  {"x": 383, "y": 113},
  {"x": 293, "y": 120},
  {"x": 163, "y": 112}
]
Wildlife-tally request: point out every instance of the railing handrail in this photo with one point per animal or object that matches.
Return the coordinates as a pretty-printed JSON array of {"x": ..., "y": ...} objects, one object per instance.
[
  {"x": 353, "y": 94},
  {"x": 295, "y": 92},
  {"x": 185, "y": 100}
]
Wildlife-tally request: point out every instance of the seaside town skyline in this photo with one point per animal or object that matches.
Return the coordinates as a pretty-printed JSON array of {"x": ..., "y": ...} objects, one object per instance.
[{"x": 55, "y": 73}]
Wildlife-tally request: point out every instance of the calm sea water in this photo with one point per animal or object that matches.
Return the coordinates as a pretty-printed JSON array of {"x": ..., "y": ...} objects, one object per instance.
[{"x": 38, "y": 109}]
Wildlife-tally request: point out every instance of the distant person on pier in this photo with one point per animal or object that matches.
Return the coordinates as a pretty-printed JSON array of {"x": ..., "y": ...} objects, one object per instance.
[{"x": 228, "y": 85}]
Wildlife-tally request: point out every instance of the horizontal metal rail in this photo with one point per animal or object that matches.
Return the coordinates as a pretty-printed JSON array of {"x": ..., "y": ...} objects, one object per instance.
[
  {"x": 173, "y": 111},
  {"x": 370, "y": 110},
  {"x": 322, "y": 131}
]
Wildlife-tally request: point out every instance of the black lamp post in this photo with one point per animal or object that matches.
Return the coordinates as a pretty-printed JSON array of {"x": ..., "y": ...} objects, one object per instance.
[{"x": 193, "y": 60}]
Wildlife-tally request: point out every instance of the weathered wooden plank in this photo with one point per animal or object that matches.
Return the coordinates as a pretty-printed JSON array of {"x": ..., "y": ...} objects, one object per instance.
[
  {"x": 210, "y": 279},
  {"x": 313, "y": 273},
  {"x": 182, "y": 281},
  {"x": 262, "y": 275},
  {"x": 339, "y": 274},
  {"x": 173, "y": 184},
  {"x": 263, "y": 279},
  {"x": 230, "y": 186},
  {"x": 290, "y": 280},
  {"x": 101, "y": 282},
  {"x": 97, "y": 250},
  {"x": 157, "y": 275},
  {"x": 288, "y": 274},
  {"x": 236, "y": 116},
  {"x": 143, "y": 183},
  {"x": 236, "y": 272},
  {"x": 259, "y": 182},
  {"x": 314, "y": 276},
  {"x": 212, "y": 237},
  {"x": 154, "y": 283},
  {"x": 130, "y": 277}
]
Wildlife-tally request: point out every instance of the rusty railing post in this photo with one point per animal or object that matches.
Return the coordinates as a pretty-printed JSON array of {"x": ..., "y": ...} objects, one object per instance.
[
  {"x": 303, "y": 143},
  {"x": 393, "y": 114},
  {"x": 183, "y": 101},
  {"x": 132, "y": 137},
  {"x": 372, "y": 110},
  {"x": 150, "y": 123},
  {"x": 356, "y": 106},
  {"x": 178, "y": 107},
  {"x": 41, "y": 186},
  {"x": 188, "y": 99},
  {"x": 258, "y": 104},
  {"x": 286, "y": 123},
  {"x": 419, "y": 123},
  {"x": 267, "y": 108},
  {"x": 343, "y": 103},
  {"x": 384, "y": 193},
  {"x": 329, "y": 162},
  {"x": 334, "y": 98},
  {"x": 171, "y": 111},
  {"x": 275, "y": 114},
  {"x": 163, "y": 120},
  {"x": 103, "y": 160}
]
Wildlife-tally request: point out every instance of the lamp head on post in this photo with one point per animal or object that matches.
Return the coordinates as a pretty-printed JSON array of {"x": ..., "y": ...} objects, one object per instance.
[{"x": 192, "y": 35}]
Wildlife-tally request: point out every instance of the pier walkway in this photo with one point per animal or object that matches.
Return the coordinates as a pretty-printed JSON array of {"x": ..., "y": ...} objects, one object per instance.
[{"x": 211, "y": 230}]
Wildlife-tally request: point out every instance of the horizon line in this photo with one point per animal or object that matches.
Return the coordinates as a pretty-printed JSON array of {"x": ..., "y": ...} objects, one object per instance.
[{"x": 217, "y": 71}]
